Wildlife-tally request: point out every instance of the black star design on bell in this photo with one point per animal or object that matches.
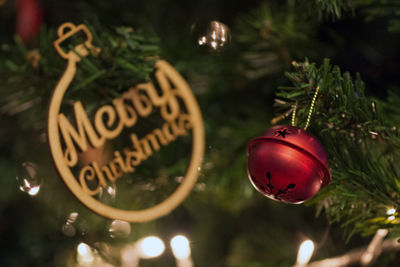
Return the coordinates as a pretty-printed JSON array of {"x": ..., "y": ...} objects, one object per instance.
[{"x": 281, "y": 132}]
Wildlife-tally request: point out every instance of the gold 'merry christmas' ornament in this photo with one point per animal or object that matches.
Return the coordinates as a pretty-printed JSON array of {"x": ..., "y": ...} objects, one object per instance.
[{"x": 67, "y": 139}]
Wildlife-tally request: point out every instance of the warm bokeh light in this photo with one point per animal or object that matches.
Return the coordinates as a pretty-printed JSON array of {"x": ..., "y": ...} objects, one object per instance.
[
  {"x": 151, "y": 247},
  {"x": 83, "y": 249},
  {"x": 27, "y": 187},
  {"x": 34, "y": 190},
  {"x": 180, "y": 247},
  {"x": 84, "y": 254},
  {"x": 306, "y": 250},
  {"x": 391, "y": 211}
]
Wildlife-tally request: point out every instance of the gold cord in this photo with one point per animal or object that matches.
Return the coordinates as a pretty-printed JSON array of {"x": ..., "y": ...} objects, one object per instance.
[
  {"x": 294, "y": 114},
  {"x": 311, "y": 108}
]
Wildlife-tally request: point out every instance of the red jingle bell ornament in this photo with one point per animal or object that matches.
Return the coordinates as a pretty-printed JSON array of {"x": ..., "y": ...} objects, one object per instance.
[{"x": 287, "y": 164}]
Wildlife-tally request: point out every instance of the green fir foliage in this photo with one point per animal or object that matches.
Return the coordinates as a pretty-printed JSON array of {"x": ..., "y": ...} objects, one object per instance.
[
  {"x": 127, "y": 57},
  {"x": 375, "y": 9},
  {"x": 272, "y": 35},
  {"x": 361, "y": 136},
  {"x": 333, "y": 8}
]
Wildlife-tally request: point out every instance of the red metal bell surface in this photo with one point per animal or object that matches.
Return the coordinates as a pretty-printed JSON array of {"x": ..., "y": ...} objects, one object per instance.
[{"x": 287, "y": 164}]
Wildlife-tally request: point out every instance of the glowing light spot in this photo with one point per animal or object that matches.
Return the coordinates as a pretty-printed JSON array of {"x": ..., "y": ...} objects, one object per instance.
[
  {"x": 151, "y": 247},
  {"x": 180, "y": 247},
  {"x": 391, "y": 211},
  {"x": 28, "y": 179},
  {"x": 306, "y": 250},
  {"x": 34, "y": 190},
  {"x": 111, "y": 190},
  {"x": 85, "y": 254},
  {"x": 202, "y": 40}
]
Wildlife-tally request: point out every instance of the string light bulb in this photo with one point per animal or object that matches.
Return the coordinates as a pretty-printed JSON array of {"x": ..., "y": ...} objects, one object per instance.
[
  {"x": 85, "y": 256},
  {"x": 151, "y": 247},
  {"x": 391, "y": 211},
  {"x": 305, "y": 253},
  {"x": 180, "y": 247}
]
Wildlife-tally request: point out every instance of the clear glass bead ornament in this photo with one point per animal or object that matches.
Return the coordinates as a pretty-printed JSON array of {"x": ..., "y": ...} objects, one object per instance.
[
  {"x": 107, "y": 194},
  {"x": 119, "y": 229},
  {"x": 28, "y": 179},
  {"x": 217, "y": 35},
  {"x": 68, "y": 228}
]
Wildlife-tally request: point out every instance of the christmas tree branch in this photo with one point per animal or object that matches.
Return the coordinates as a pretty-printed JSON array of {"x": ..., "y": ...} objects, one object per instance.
[
  {"x": 361, "y": 141},
  {"x": 332, "y": 7},
  {"x": 127, "y": 58},
  {"x": 381, "y": 8},
  {"x": 271, "y": 35}
]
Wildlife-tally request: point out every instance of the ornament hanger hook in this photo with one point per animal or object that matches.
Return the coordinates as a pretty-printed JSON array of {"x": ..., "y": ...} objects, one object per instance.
[{"x": 67, "y": 30}]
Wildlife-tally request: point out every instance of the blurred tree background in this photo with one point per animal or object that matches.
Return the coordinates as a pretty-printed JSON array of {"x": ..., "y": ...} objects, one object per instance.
[{"x": 236, "y": 84}]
